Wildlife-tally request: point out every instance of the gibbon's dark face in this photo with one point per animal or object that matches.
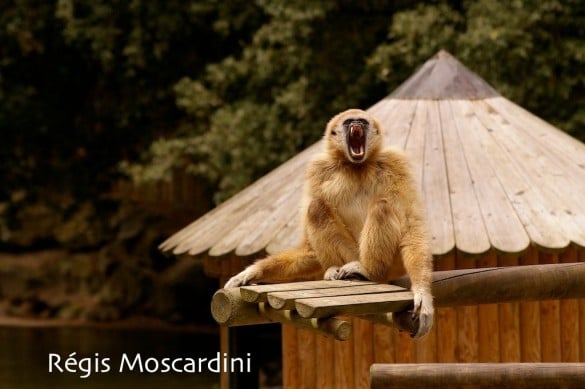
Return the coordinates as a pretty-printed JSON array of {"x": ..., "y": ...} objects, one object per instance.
[{"x": 354, "y": 134}]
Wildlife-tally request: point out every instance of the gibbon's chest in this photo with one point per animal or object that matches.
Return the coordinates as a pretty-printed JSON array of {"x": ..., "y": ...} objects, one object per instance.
[{"x": 350, "y": 197}]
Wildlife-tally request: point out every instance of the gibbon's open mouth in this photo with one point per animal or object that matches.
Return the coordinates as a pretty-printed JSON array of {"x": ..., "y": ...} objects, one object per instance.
[{"x": 356, "y": 139}]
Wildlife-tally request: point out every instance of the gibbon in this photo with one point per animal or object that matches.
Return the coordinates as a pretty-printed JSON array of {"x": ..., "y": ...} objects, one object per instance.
[{"x": 362, "y": 213}]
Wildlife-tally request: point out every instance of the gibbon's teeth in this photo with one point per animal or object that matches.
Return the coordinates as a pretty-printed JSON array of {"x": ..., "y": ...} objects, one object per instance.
[{"x": 356, "y": 141}]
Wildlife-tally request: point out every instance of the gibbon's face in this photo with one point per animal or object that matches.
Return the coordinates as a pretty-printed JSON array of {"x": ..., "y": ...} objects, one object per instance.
[{"x": 355, "y": 134}]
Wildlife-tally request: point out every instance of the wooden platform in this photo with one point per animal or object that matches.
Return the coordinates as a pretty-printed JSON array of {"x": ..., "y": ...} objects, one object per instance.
[{"x": 315, "y": 305}]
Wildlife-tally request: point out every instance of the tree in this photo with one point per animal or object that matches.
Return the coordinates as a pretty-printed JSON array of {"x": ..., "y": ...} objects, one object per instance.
[{"x": 259, "y": 106}]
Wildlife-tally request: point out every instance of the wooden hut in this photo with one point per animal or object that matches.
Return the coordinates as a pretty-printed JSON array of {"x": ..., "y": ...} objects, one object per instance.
[{"x": 501, "y": 187}]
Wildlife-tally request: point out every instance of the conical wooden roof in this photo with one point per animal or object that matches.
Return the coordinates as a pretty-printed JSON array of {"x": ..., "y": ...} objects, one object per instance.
[{"x": 492, "y": 175}]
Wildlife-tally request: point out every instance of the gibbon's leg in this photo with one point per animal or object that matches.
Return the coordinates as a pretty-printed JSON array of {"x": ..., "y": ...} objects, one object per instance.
[
  {"x": 379, "y": 243},
  {"x": 331, "y": 240},
  {"x": 291, "y": 265},
  {"x": 418, "y": 263}
]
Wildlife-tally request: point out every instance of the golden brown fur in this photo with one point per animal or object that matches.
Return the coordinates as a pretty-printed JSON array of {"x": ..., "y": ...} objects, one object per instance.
[{"x": 362, "y": 214}]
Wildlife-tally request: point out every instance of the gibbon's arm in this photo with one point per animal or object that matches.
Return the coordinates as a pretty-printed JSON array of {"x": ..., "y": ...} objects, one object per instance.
[{"x": 415, "y": 248}]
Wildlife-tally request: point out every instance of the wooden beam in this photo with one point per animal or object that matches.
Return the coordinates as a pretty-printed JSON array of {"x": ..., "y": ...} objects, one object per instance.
[
  {"x": 258, "y": 293},
  {"x": 504, "y": 284},
  {"x": 228, "y": 309},
  {"x": 477, "y": 375}
]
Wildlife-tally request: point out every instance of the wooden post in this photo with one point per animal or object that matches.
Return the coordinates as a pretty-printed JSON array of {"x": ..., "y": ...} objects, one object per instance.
[
  {"x": 504, "y": 284},
  {"x": 477, "y": 375}
]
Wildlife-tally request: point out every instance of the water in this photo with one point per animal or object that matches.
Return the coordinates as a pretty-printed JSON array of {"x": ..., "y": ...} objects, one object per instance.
[{"x": 24, "y": 357}]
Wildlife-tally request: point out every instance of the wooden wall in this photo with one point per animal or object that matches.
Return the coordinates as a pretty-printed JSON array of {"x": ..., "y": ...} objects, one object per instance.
[{"x": 547, "y": 331}]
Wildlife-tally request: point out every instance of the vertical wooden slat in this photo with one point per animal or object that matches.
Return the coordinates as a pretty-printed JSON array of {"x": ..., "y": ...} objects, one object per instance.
[
  {"x": 581, "y": 257},
  {"x": 405, "y": 351},
  {"x": 426, "y": 348},
  {"x": 290, "y": 368},
  {"x": 306, "y": 359},
  {"x": 343, "y": 357},
  {"x": 446, "y": 320},
  {"x": 550, "y": 321},
  {"x": 383, "y": 344},
  {"x": 363, "y": 335},
  {"x": 224, "y": 341},
  {"x": 325, "y": 368},
  {"x": 467, "y": 322},
  {"x": 569, "y": 311},
  {"x": 509, "y": 318},
  {"x": 488, "y": 326},
  {"x": 530, "y": 319}
]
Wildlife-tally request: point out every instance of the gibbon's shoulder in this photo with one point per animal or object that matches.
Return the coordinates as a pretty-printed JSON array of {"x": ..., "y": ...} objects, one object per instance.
[
  {"x": 321, "y": 164},
  {"x": 393, "y": 159}
]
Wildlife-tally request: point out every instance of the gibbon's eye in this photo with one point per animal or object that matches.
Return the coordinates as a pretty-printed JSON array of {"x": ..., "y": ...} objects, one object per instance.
[{"x": 333, "y": 133}]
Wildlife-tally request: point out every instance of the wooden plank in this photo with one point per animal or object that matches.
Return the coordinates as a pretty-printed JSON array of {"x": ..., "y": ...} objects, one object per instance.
[
  {"x": 307, "y": 362},
  {"x": 481, "y": 375},
  {"x": 551, "y": 175},
  {"x": 569, "y": 314},
  {"x": 398, "y": 125},
  {"x": 363, "y": 352},
  {"x": 446, "y": 320},
  {"x": 488, "y": 331},
  {"x": 383, "y": 344},
  {"x": 287, "y": 237},
  {"x": 324, "y": 355},
  {"x": 544, "y": 138},
  {"x": 415, "y": 143},
  {"x": 405, "y": 351},
  {"x": 426, "y": 348},
  {"x": 581, "y": 258},
  {"x": 343, "y": 357},
  {"x": 505, "y": 230},
  {"x": 530, "y": 333},
  {"x": 467, "y": 323},
  {"x": 213, "y": 226},
  {"x": 258, "y": 293},
  {"x": 435, "y": 187},
  {"x": 550, "y": 321},
  {"x": 280, "y": 210},
  {"x": 537, "y": 215},
  {"x": 286, "y": 300},
  {"x": 469, "y": 230},
  {"x": 224, "y": 342},
  {"x": 290, "y": 360},
  {"x": 509, "y": 316},
  {"x": 354, "y": 305}
]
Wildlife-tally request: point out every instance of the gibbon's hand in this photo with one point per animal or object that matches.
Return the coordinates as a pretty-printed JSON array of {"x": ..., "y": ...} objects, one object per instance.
[
  {"x": 352, "y": 271},
  {"x": 245, "y": 277},
  {"x": 331, "y": 273},
  {"x": 423, "y": 312}
]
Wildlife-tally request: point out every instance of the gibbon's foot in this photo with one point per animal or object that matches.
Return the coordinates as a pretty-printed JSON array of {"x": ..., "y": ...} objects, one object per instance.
[
  {"x": 245, "y": 277},
  {"x": 423, "y": 312},
  {"x": 331, "y": 273},
  {"x": 352, "y": 271}
]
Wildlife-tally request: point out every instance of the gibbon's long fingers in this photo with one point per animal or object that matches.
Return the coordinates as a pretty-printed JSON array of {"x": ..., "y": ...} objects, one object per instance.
[
  {"x": 352, "y": 271},
  {"x": 379, "y": 239},
  {"x": 245, "y": 277},
  {"x": 423, "y": 312},
  {"x": 331, "y": 273}
]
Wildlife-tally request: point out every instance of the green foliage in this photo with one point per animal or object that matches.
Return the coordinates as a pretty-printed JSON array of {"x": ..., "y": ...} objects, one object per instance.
[
  {"x": 257, "y": 107},
  {"x": 531, "y": 51}
]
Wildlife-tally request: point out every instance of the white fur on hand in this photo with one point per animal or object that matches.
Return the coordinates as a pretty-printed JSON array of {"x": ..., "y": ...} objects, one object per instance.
[
  {"x": 245, "y": 277},
  {"x": 351, "y": 269},
  {"x": 331, "y": 273},
  {"x": 424, "y": 311}
]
